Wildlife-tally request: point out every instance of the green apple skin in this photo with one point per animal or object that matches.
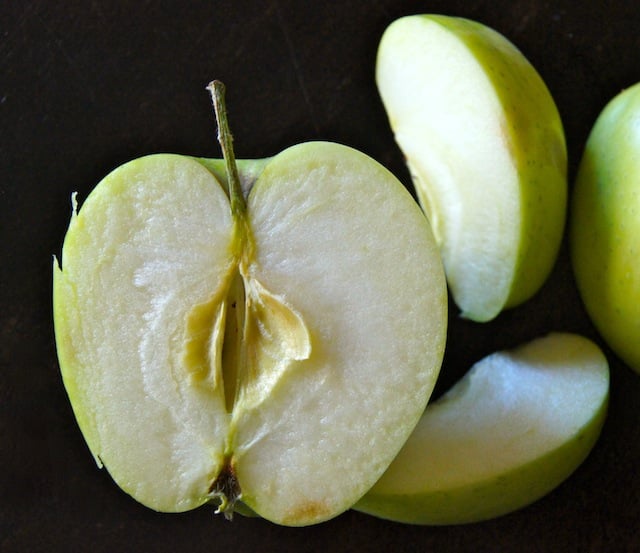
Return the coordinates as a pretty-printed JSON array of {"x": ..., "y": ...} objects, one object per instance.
[
  {"x": 605, "y": 225},
  {"x": 454, "y": 467},
  {"x": 149, "y": 254},
  {"x": 248, "y": 170},
  {"x": 485, "y": 146}
]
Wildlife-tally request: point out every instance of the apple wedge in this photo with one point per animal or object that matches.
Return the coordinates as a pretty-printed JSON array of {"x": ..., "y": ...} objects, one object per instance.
[
  {"x": 511, "y": 430},
  {"x": 276, "y": 348},
  {"x": 485, "y": 146},
  {"x": 605, "y": 225}
]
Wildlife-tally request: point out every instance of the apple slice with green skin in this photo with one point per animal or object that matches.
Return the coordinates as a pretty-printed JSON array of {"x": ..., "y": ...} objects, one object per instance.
[
  {"x": 276, "y": 348},
  {"x": 485, "y": 146},
  {"x": 605, "y": 225},
  {"x": 511, "y": 430}
]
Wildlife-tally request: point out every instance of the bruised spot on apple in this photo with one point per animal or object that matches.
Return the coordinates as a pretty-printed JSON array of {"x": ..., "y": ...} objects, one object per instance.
[
  {"x": 241, "y": 332},
  {"x": 485, "y": 147}
]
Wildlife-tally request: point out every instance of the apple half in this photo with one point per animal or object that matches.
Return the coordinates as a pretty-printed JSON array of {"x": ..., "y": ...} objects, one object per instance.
[
  {"x": 605, "y": 225},
  {"x": 510, "y": 431},
  {"x": 485, "y": 146},
  {"x": 276, "y": 348}
]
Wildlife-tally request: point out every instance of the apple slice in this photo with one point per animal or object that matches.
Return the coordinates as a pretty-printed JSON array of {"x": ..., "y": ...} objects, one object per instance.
[
  {"x": 605, "y": 225},
  {"x": 512, "y": 429},
  {"x": 485, "y": 147},
  {"x": 277, "y": 348}
]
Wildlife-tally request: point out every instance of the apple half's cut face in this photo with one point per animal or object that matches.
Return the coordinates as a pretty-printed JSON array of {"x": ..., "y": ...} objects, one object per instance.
[
  {"x": 510, "y": 431},
  {"x": 485, "y": 146},
  {"x": 280, "y": 354}
]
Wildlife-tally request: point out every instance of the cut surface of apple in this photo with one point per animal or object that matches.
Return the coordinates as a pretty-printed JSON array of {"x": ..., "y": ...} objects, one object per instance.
[
  {"x": 485, "y": 146},
  {"x": 511, "y": 430},
  {"x": 222, "y": 348},
  {"x": 605, "y": 225}
]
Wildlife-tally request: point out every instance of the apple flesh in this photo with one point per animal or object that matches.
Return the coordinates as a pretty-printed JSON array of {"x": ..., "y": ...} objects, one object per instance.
[
  {"x": 605, "y": 225},
  {"x": 227, "y": 347},
  {"x": 485, "y": 146},
  {"x": 511, "y": 430}
]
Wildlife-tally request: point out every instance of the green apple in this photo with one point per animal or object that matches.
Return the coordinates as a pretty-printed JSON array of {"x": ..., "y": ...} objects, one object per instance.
[
  {"x": 512, "y": 429},
  {"x": 275, "y": 346},
  {"x": 485, "y": 146},
  {"x": 605, "y": 225}
]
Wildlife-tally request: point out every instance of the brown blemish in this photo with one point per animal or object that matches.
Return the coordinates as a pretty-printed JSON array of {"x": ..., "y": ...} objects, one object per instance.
[{"x": 310, "y": 511}]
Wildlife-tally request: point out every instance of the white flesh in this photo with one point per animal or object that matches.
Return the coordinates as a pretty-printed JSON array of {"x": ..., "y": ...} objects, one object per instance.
[
  {"x": 346, "y": 245},
  {"x": 345, "y": 252},
  {"x": 151, "y": 242}
]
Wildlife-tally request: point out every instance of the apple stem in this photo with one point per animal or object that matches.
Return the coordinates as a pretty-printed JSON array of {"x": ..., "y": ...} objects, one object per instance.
[{"x": 225, "y": 138}]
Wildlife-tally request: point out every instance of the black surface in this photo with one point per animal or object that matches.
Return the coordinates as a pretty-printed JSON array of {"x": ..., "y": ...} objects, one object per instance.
[{"x": 85, "y": 86}]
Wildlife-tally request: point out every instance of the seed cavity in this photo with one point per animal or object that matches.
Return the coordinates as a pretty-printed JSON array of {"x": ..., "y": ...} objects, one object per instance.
[{"x": 243, "y": 340}]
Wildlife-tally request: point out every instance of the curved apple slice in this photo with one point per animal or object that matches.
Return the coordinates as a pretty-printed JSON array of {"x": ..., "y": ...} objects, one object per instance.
[
  {"x": 485, "y": 146},
  {"x": 257, "y": 355},
  {"x": 511, "y": 430}
]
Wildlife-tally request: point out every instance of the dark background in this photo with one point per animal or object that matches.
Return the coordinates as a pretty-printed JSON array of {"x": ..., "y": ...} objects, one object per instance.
[{"x": 88, "y": 85}]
